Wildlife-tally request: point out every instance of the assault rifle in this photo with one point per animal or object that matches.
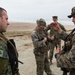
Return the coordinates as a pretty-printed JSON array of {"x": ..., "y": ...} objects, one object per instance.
[
  {"x": 13, "y": 57},
  {"x": 67, "y": 47}
]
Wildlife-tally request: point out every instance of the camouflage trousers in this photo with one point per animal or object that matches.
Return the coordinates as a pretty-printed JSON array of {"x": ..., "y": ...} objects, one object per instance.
[{"x": 42, "y": 64}]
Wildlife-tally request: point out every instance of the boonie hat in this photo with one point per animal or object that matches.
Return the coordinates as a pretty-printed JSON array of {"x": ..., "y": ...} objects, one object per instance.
[
  {"x": 41, "y": 22},
  {"x": 72, "y": 12}
]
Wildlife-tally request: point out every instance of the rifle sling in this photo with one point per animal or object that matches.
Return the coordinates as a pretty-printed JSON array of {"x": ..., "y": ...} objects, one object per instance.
[{"x": 2, "y": 37}]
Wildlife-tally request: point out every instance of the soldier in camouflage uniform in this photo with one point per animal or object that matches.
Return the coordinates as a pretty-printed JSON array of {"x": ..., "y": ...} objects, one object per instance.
[
  {"x": 56, "y": 41},
  {"x": 67, "y": 59},
  {"x": 5, "y": 68},
  {"x": 40, "y": 43}
]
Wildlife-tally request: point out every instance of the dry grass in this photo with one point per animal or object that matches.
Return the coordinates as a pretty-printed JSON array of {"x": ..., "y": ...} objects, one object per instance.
[{"x": 17, "y": 33}]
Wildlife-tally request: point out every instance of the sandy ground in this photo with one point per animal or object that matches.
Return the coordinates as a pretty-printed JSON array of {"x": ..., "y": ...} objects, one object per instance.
[{"x": 21, "y": 35}]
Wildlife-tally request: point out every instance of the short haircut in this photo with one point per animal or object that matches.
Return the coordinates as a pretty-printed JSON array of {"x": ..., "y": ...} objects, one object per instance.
[{"x": 1, "y": 10}]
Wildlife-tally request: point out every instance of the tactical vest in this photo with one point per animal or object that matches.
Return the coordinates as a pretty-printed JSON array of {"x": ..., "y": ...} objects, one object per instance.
[{"x": 13, "y": 56}]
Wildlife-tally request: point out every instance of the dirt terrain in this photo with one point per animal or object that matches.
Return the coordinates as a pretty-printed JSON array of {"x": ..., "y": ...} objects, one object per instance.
[{"x": 21, "y": 32}]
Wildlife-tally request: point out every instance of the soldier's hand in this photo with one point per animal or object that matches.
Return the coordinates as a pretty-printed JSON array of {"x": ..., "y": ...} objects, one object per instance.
[
  {"x": 45, "y": 39},
  {"x": 52, "y": 37},
  {"x": 57, "y": 49},
  {"x": 55, "y": 26},
  {"x": 52, "y": 23}
]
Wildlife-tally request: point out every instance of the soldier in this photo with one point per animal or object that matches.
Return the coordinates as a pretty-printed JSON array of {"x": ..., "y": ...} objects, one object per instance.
[
  {"x": 67, "y": 59},
  {"x": 41, "y": 46},
  {"x": 8, "y": 51},
  {"x": 56, "y": 42},
  {"x": 5, "y": 68}
]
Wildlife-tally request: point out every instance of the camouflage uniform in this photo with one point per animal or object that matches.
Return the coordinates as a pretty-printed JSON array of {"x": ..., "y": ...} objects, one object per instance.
[
  {"x": 56, "y": 41},
  {"x": 40, "y": 56},
  {"x": 5, "y": 68},
  {"x": 67, "y": 59}
]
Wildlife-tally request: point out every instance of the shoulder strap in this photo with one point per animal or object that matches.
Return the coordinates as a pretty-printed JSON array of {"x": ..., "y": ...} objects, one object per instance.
[{"x": 2, "y": 37}]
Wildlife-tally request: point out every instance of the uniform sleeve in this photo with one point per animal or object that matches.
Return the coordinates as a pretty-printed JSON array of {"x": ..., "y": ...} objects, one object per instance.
[
  {"x": 3, "y": 48},
  {"x": 69, "y": 55},
  {"x": 36, "y": 42},
  {"x": 63, "y": 35},
  {"x": 62, "y": 27},
  {"x": 48, "y": 28}
]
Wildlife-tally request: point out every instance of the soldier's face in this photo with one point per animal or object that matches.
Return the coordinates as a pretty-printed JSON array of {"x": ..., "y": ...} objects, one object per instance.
[
  {"x": 40, "y": 28},
  {"x": 54, "y": 19},
  {"x": 4, "y": 22},
  {"x": 73, "y": 19}
]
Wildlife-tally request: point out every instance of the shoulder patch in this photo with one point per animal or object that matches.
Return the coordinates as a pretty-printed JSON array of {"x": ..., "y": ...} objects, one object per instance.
[{"x": 1, "y": 53}]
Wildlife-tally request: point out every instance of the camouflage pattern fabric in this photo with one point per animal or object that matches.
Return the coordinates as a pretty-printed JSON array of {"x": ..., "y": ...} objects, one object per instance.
[
  {"x": 56, "y": 41},
  {"x": 37, "y": 38},
  {"x": 42, "y": 64},
  {"x": 4, "y": 59},
  {"x": 40, "y": 57},
  {"x": 67, "y": 60}
]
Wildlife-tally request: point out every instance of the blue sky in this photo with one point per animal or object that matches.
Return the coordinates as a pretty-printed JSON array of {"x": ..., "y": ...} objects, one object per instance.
[{"x": 30, "y": 10}]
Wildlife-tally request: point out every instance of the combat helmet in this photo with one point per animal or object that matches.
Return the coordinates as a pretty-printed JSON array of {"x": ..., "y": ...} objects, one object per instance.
[{"x": 41, "y": 22}]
